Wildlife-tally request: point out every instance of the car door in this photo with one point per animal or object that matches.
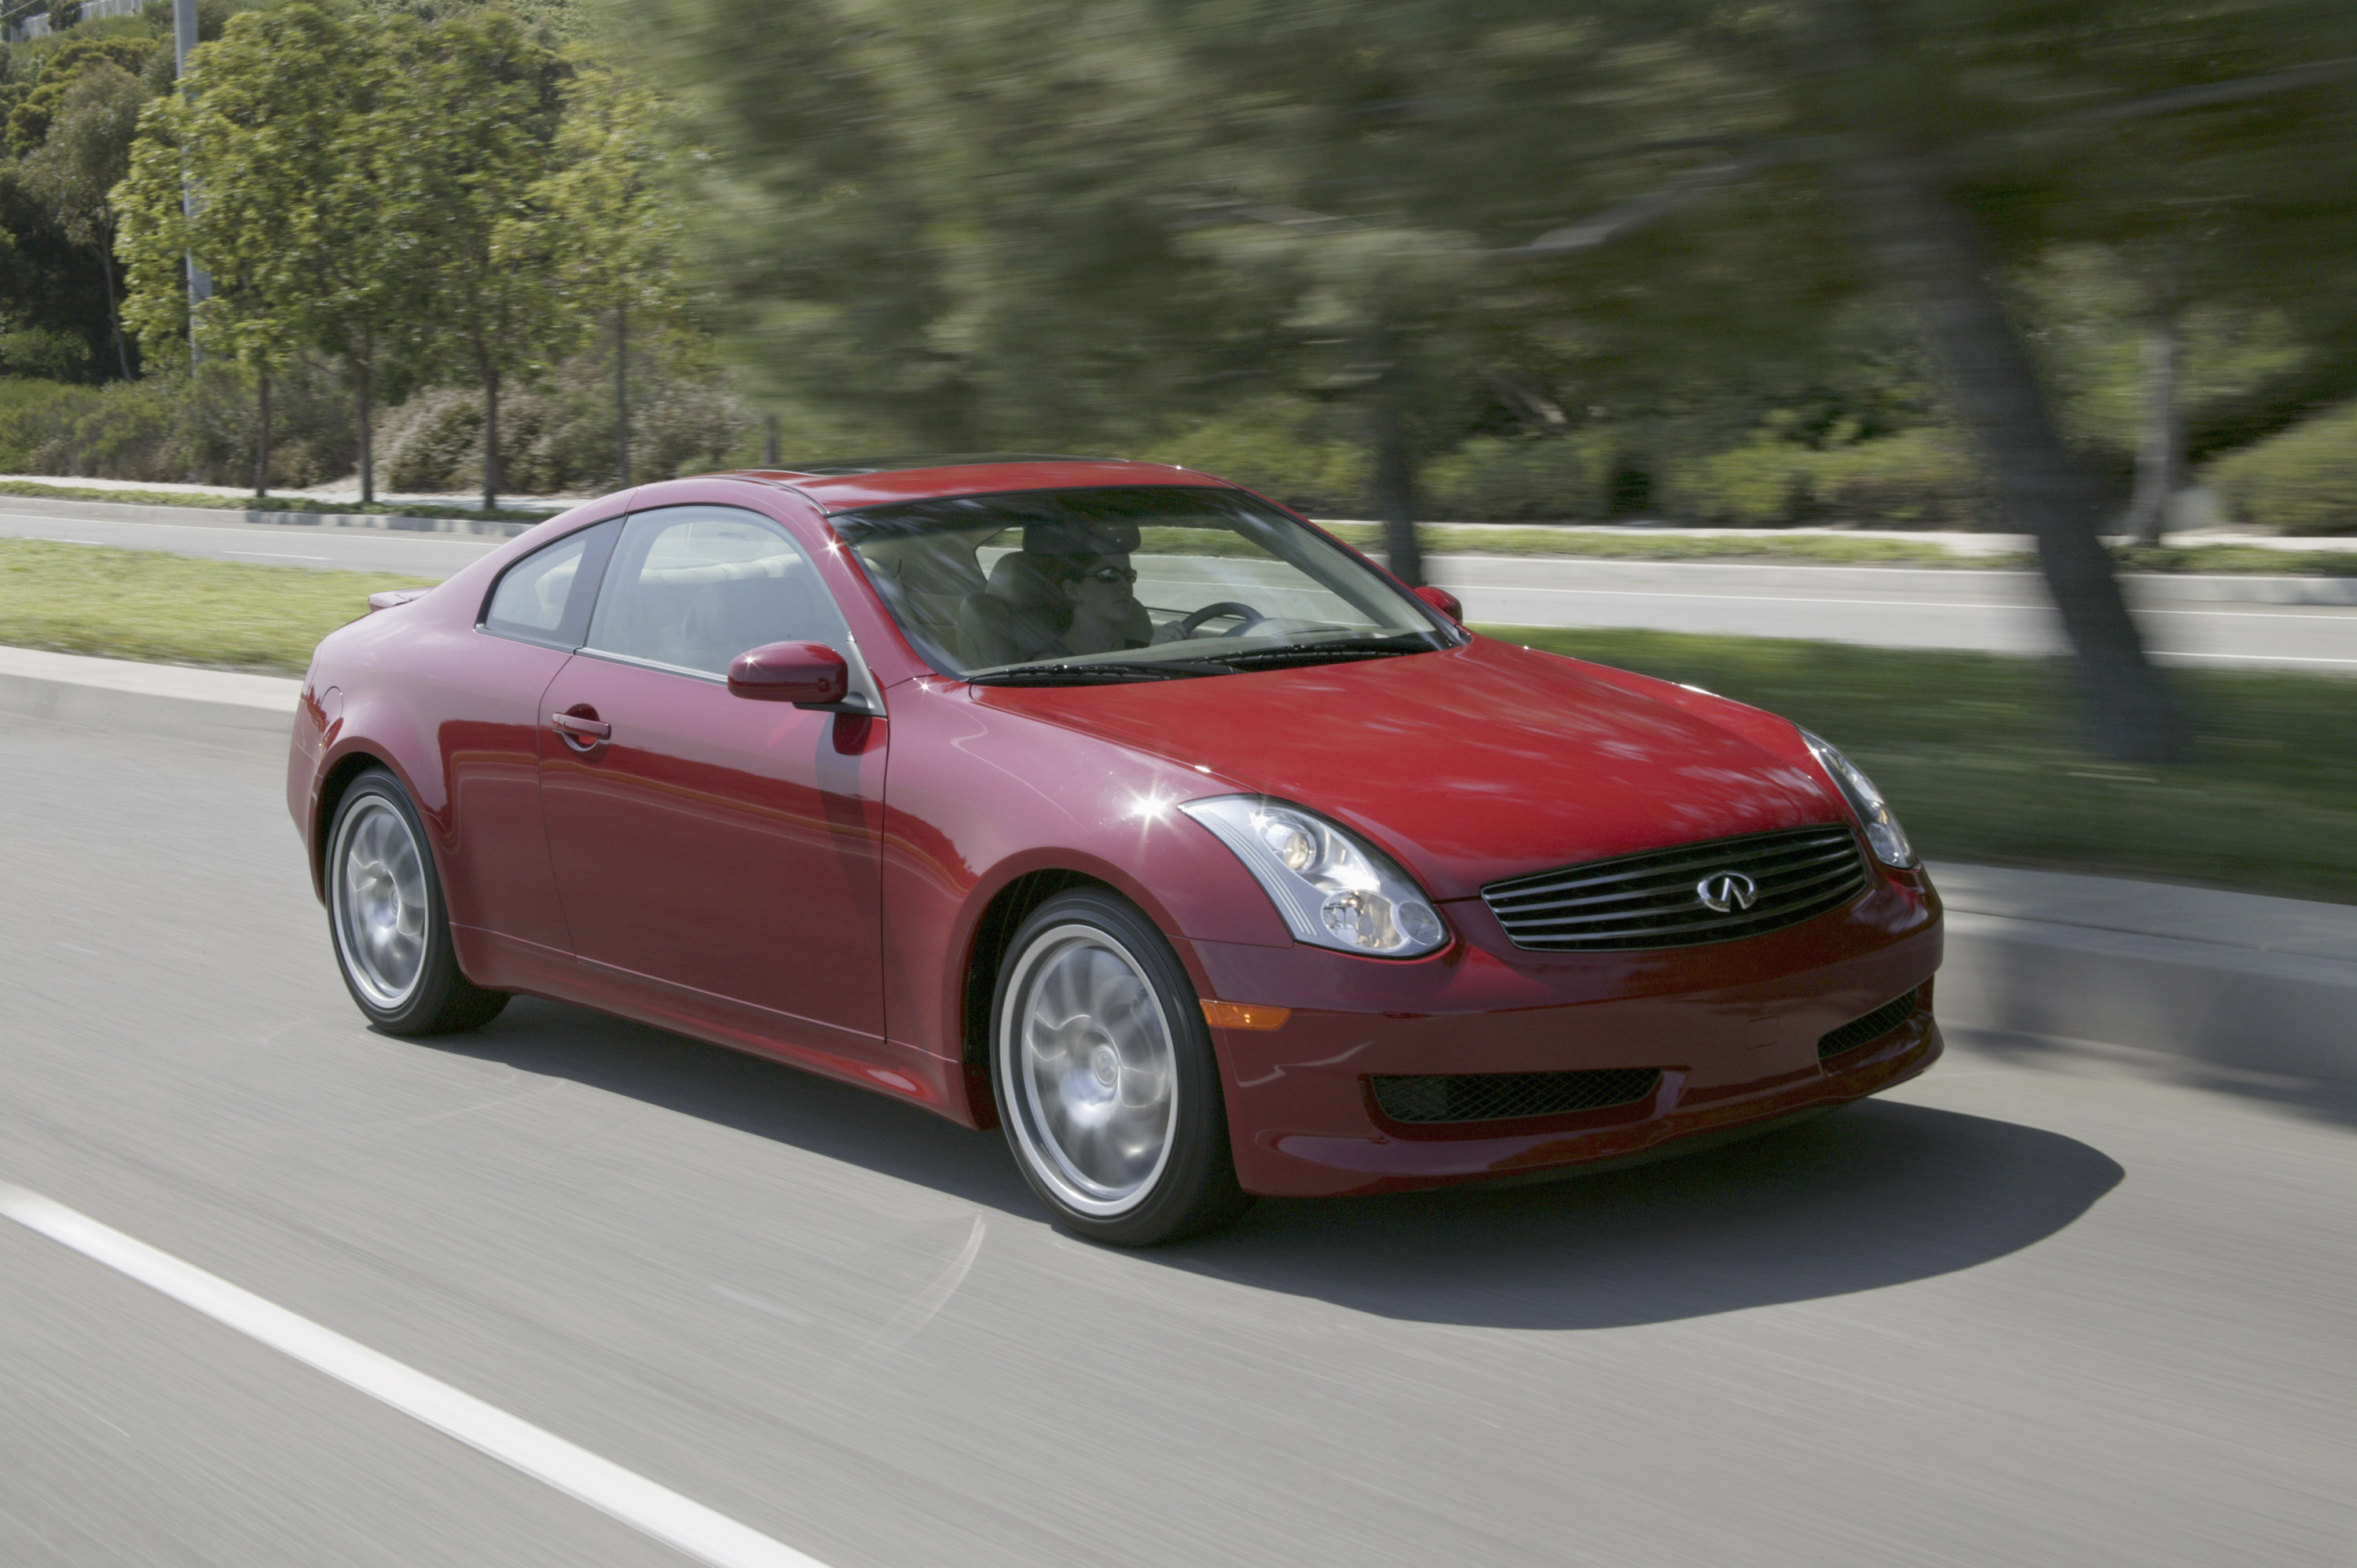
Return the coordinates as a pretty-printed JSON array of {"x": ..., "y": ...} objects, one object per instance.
[
  {"x": 487, "y": 695},
  {"x": 722, "y": 847}
]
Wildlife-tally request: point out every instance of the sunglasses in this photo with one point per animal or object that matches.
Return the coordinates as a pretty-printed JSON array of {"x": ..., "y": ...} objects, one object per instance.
[{"x": 1113, "y": 575}]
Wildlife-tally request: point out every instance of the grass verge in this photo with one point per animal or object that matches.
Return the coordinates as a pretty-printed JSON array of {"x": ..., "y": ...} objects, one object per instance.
[
  {"x": 1977, "y": 754},
  {"x": 199, "y": 499},
  {"x": 175, "y": 609}
]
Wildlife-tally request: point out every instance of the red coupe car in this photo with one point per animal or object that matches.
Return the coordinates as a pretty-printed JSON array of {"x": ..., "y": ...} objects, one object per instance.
[{"x": 1117, "y": 806}]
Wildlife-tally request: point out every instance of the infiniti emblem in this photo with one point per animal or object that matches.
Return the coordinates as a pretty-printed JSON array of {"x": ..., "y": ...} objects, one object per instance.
[{"x": 1727, "y": 890}]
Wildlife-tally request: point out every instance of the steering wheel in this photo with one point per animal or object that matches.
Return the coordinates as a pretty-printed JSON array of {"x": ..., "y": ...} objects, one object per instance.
[{"x": 1248, "y": 617}]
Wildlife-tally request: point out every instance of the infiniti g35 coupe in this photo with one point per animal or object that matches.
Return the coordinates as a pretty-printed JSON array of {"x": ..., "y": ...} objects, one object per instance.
[{"x": 1115, "y": 806}]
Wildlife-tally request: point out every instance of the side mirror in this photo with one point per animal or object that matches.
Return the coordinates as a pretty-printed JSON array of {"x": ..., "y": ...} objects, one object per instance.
[
  {"x": 807, "y": 674},
  {"x": 1444, "y": 601}
]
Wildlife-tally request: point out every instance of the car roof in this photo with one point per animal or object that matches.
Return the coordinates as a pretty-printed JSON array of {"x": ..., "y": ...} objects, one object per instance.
[{"x": 874, "y": 482}]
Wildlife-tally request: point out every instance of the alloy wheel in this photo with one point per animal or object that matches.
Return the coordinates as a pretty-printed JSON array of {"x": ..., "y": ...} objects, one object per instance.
[{"x": 1094, "y": 1070}]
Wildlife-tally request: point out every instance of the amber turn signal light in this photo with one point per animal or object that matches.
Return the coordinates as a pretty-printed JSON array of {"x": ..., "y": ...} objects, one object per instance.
[{"x": 1245, "y": 1015}]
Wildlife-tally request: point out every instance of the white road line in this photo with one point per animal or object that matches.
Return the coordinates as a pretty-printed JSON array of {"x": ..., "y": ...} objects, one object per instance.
[
  {"x": 273, "y": 554},
  {"x": 630, "y": 1497}
]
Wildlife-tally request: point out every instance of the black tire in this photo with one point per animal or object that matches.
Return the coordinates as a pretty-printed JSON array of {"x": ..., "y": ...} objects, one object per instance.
[
  {"x": 1110, "y": 1179},
  {"x": 386, "y": 919}
]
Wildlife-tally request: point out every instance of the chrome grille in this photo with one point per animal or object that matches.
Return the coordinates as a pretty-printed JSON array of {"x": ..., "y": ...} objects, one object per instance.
[
  {"x": 1651, "y": 900},
  {"x": 1507, "y": 1096},
  {"x": 1872, "y": 1028}
]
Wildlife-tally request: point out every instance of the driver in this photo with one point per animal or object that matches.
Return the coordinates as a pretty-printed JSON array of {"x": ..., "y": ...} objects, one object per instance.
[
  {"x": 1106, "y": 616},
  {"x": 1088, "y": 563}
]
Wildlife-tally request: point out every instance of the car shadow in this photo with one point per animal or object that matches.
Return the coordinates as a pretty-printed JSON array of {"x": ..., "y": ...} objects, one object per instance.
[{"x": 1881, "y": 1193}]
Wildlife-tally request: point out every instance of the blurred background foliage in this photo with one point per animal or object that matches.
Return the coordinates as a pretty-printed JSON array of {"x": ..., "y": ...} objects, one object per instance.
[{"x": 1289, "y": 242}]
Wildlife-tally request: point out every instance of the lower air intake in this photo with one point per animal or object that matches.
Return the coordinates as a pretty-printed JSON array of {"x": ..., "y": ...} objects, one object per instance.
[
  {"x": 1864, "y": 1031},
  {"x": 1509, "y": 1096}
]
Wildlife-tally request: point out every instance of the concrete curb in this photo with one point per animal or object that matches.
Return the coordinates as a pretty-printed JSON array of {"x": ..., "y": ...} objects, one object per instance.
[
  {"x": 219, "y": 707},
  {"x": 2232, "y": 981},
  {"x": 216, "y": 517},
  {"x": 2221, "y": 1006}
]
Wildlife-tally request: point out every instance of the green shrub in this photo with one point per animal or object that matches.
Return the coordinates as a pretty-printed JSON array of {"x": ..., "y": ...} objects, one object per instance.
[
  {"x": 2302, "y": 481},
  {"x": 42, "y": 353},
  {"x": 193, "y": 428},
  {"x": 561, "y": 437},
  {"x": 1916, "y": 478},
  {"x": 1280, "y": 447},
  {"x": 1511, "y": 479}
]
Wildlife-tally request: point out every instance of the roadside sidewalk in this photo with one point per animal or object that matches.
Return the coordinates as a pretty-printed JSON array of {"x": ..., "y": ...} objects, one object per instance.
[{"x": 2229, "y": 981}]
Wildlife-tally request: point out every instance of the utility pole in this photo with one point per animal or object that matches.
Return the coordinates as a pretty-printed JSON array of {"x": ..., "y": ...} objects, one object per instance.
[{"x": 200, "y": 282}]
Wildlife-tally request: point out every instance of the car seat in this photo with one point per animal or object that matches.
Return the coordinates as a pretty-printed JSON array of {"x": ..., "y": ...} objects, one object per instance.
[{"x": 1020, "y": 613}]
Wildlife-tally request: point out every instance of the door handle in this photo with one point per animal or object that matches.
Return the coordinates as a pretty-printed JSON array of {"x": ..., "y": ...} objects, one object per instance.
[{"x": 576, "y": 727}]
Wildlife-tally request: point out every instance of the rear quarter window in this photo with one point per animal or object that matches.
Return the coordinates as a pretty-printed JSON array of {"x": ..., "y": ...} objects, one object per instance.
[{"x": 545, "y": 596}]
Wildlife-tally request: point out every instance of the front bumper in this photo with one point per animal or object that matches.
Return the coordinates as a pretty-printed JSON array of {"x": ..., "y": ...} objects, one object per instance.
[{"x": 1733, "y": 1029}]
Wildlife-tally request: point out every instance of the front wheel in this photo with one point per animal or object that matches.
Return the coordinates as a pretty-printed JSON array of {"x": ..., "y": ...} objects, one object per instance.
[
  {"x": 385, "y": 916},
  {"x": 1105, "y": 1077}
]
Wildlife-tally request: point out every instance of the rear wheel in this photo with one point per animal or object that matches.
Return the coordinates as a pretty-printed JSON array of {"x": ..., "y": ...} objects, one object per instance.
[
  {"x": 385, "y": 916},
  {"x": 1106, "y": 1081}
]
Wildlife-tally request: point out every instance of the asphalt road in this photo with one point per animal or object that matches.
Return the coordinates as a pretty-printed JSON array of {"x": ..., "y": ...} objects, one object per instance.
[
  {"x": 2004, "y": 612},
  {"x": 2037, "y": 1308}
]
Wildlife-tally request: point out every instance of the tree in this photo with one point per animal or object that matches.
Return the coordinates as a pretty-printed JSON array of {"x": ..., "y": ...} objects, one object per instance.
[
  {"x": 1935, "y": 130},
  {"x": 475, "y": 124},
  {"x": 613, "y": 146},
  {"x": 277, "y": 134},
  {"x": 84, "y": 155},
  {"x": 960, "y": 228},
  {"x": 368, "y": 188},
  {"x": 28, "y": 119}
]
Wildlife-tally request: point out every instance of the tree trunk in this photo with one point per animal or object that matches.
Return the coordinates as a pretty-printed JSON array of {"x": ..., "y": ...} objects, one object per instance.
[
  {"x": 1395, "y": 489},
  {"x": 261, "y": 443},
  {"x": 622, "y": 391},
  {"x": 490, "y": 437},
  {"x": 1395, "y": 475},
  {"x": 2161, "y": 439},
  {"x": 105, "y": 248},
  {"x": 771, "y": 452},
  {"x": 1912, "y": 225},
  {"x": 362, "y": 385}
]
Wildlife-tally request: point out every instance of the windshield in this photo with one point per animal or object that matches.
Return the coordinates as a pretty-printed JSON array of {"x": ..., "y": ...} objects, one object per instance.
[{"x": 1138, "y": 583}]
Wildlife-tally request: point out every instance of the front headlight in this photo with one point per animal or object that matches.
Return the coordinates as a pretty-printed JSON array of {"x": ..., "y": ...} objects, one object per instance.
[
  {"x": 1883, "y": 832},
  {"x": 1333, "y": 891}
]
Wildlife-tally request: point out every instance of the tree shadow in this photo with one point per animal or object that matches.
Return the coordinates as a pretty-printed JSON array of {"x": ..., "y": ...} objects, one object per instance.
[
  {"x": 1879, "y": 1194},
  {"x": 2330, "y": 1101}
]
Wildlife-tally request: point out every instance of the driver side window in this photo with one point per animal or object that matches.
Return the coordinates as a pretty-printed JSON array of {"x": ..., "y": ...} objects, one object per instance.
[{"x": 691, "y": 587}]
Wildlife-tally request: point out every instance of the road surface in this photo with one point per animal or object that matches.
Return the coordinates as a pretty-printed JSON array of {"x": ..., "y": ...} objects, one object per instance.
[{"x": 2040, "y": 1307}]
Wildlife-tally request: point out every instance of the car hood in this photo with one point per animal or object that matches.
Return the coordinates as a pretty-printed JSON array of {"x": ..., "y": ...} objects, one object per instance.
[{"x": 1470, "y": 764}]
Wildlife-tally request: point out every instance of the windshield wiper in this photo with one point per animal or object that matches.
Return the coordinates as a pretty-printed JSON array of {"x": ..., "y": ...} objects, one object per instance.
[
  {"x": 1340, "y": 650},
  {"x": 1088, "y": 674}
]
